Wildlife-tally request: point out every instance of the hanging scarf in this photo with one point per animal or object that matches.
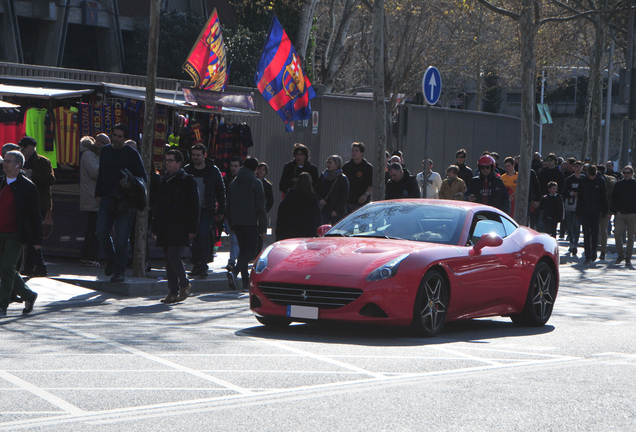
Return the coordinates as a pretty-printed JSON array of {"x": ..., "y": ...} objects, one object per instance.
[{"x": 332, "y": 175}]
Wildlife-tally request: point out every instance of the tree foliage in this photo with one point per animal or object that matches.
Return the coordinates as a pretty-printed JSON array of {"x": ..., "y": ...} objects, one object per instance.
[{"x": 177, "y": 34}]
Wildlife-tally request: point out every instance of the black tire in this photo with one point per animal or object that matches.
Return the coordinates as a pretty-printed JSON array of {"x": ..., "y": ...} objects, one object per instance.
[
  {"x": 431, "y": 305},
  {"x": 271, "y": 321},
  {"x": 540, "y": 299}
]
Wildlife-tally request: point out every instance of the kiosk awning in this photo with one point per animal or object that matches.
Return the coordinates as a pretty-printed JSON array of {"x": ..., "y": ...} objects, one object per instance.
[
  {"x": 41, "y": 93},
  {"x": 6, "y": 105},
  {"x": 177, "y": 100}
]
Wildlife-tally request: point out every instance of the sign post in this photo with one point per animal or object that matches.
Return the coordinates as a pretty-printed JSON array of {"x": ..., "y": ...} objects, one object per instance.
[{"x": 432, "y": 89}]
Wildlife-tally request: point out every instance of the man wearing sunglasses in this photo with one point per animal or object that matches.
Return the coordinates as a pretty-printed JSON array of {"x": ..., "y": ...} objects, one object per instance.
[
  {"x": 487, "y": 187},
  {"x": 624, "y": 208}
]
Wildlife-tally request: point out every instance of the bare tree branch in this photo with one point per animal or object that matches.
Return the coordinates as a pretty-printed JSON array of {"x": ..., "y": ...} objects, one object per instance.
[{"x": 499, "y": 10}]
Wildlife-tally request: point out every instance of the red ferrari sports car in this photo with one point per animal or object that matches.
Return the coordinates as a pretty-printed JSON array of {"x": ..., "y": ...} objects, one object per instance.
[{"x": 417, "y": 263}]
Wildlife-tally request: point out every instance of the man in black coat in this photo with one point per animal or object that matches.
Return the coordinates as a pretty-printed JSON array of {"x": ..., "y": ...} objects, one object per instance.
[
  {"x": 175, "y": 223},
  {"x": 624, "y": 207},
  {"x": 465, "y": 172},
  {"x": 300, "y": 164},
  {"x": 211, "y": 190},
  {"x": 116, "y": 212},
  {"x": 245, "y": 213},
  {"x": 20, "y": 222},
  {"x": 359, "y": 172},
  {"x": 591, "y": 204},
  {"x": 401, "y": 183}
]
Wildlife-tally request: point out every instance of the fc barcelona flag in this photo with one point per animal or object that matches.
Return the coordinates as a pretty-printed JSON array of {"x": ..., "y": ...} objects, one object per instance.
[
  {"x": 281, "y": 79},
  {"x": 207, "y": 64}
]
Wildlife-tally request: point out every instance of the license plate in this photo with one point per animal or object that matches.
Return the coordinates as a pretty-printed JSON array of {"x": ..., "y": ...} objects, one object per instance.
[{"x": 305, "y": 312}]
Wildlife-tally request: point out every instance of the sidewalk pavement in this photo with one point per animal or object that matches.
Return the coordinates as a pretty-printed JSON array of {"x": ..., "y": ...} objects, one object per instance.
[{"x": 71, "y": 271}]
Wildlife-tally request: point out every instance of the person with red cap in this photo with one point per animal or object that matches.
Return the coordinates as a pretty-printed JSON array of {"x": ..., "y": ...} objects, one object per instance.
[{"x": 487, "y": 187}]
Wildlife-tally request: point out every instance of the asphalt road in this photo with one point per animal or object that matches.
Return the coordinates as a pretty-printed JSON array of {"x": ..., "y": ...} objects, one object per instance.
[{"x": 89, "y": 361}]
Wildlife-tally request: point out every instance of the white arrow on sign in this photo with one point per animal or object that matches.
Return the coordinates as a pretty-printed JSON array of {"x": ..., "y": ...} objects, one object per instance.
[{"x": 432, "y": 83}]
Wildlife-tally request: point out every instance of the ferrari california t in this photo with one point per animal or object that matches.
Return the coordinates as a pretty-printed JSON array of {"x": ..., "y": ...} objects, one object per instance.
[{"x": 417, "y": 263}]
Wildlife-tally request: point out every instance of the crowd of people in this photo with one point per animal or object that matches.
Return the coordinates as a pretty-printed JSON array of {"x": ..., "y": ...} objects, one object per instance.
[
  {"x": 566, "y": 196},
  {"x": 192, "y": 200}
]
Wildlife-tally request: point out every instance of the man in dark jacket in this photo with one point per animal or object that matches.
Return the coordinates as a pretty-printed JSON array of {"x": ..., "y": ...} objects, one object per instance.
[
  {"x": 300, "y": 164},
  {"x": 359, "y": 172},
  {"x": 211, "y": 190},
  {"x": 175, "y": 223},
  {"x": 401, "y": 184},
  {"x": 20, "y": 222},
  {"x": 39, "y": 170},
  {"x": 624, "y": 207},
  {"x": 116, "y": 212},
  {"x": 570, "y": 198},
  {"x": 465, "y": 172},
  {"x": 487, "y": 188},
  {"x": 246, "y": 215},
  {"x": 591, "y": 204}
]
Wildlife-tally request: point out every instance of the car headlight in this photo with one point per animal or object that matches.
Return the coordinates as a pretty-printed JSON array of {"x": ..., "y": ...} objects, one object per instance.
[
  {"x": 387, "y": 270},
  {"x": 261, "y": 264}
]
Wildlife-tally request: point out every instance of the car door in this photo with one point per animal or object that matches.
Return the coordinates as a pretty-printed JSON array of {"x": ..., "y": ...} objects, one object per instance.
[{"x": 486, "y": 278}]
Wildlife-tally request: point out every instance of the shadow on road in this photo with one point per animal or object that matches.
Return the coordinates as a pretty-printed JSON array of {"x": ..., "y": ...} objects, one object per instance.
[{"x": 474, "y": 331}]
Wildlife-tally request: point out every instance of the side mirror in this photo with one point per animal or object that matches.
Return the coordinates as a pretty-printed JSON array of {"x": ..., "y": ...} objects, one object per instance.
[
  {"x": 486, "y": 240},
  {"x": 322, "y": 230}
]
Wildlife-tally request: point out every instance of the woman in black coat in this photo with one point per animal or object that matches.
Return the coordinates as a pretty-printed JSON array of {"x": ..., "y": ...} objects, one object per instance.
[
  {"x": 299, "y": 212},
  {"x": 175, "y": 223},
  {"x": 333, "y": 191}
]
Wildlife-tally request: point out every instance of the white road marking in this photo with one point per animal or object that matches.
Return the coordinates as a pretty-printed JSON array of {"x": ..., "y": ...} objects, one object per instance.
[
  {"x": 157, "y": 359},
  {"x": 41, "y": 393},
  {"x": 322, "y": 358},
  {"x": 242, "y": 401},
  {"x": 466, "y": 356}
]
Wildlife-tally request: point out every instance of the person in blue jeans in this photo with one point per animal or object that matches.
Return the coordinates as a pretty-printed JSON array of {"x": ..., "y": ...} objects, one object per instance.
[{"x": 116, "y": 212}]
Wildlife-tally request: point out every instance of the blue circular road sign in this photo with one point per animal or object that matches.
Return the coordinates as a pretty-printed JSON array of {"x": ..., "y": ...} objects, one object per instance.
[{"x": 432, "y": 85}]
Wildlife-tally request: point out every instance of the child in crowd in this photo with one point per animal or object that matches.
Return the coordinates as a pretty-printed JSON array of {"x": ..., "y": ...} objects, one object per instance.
[{"x": 552, "y": 206}]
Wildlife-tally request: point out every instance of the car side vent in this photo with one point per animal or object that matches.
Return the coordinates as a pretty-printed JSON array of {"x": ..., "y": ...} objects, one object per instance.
[{"x": 373, "y": 310}]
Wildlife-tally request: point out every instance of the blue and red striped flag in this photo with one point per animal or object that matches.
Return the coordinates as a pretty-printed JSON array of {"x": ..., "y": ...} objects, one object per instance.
[
  {"x": 280, "y": 77},
  {"x": 207, "y": 63}
]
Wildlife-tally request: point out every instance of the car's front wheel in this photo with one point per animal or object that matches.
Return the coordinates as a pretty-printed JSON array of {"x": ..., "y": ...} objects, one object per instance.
[
  {"x": 540, "y": 299},
  {"x": 273, "y": 321},
  {"x": 431, "y": 305}
]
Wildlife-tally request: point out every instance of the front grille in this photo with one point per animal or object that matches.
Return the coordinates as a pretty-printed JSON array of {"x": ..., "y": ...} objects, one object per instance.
[{"x": 322, "y": 296}]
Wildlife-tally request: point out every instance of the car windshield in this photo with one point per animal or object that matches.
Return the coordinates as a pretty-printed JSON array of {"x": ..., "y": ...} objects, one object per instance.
[{"x": 425, "y": 222}]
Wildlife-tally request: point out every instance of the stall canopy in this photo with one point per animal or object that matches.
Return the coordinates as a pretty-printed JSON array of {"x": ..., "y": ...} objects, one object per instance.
[
  {"x": 42, "y": 93},
  {"x": 6, "y": 105},
  {"x": 226, "y": 103}
]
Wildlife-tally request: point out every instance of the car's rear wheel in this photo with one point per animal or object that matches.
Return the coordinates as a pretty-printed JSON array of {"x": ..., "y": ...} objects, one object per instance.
[
  {"x": 431, "y": 305},
  {"x": 272, "y": 321},
  {"x": 540, "y": 299}
]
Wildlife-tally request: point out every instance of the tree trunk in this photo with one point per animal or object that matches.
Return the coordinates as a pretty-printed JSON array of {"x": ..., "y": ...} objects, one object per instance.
[
  {"x": 378, "y": 97},
  {"x": 528, "y": 30},
  {"x": 593, "y": 107},
  {"x": 306, "y": 18},
  {"x": 141, "y": 231}
]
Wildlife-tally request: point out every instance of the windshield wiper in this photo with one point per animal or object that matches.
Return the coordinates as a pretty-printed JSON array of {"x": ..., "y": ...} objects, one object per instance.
[{"x": 384, "y": 236}]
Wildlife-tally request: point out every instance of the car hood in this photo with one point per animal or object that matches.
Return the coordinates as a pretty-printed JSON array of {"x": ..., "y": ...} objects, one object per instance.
[{"x": 336, "y": 257}]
